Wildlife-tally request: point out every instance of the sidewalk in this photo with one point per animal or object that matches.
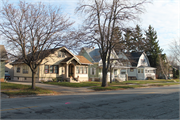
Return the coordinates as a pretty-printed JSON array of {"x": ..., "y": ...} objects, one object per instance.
[{"x": 60, "y": 89}]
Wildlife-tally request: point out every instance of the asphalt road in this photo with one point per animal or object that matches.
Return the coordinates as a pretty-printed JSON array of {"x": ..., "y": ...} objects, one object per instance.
[{"x": 141, "y": 103}]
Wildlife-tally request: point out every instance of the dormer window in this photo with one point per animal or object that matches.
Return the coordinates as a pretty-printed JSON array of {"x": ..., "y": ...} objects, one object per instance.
[{"x": 61, "y": 54}]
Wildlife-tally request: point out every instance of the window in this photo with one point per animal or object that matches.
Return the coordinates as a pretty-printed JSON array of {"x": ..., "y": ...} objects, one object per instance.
[
  {"x": 56, "y": 69},
  {"x": 85, "y": 70},
  {"x": 142, "y": 71},
  {"x": 115, "y": 72},
  {"x": 51, "y": 69},
  {"x": 93, "y": 71},
  {"x": 25, "y": 69},
  {"x": 46, "y": 68},
  {"x": 143, "y": 61},
  {"x": 81, "y": 70},
  {"x": 18, "y": 69},
  {"x": 77, "y": 70},
  {"x": 138, "y": 70},
  {"x": 61, "y": 54},
  {"x": 123, "y": 72},
  {"x": 131, "y": 70}
]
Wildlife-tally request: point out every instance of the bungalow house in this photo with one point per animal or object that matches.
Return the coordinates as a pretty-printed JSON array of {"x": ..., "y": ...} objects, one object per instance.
[
  {"x": 59, "y": 63},
  {"x": 3, "y": 58},
  {"x": 140, "y": 68},
  {"x": 95, "y": 70}
]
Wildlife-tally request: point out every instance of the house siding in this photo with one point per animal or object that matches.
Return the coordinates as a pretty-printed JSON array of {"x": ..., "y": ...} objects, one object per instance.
[
  {"x": 2, "y": 70},
  {"x": 97, "y": 74},
  {"x": 52, "y": 60}
]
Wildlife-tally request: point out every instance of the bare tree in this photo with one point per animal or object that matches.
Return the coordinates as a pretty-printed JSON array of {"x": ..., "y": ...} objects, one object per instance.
[
  {"x": 102, "y": 17},
  {"x": 33, "y": 28},
  {"x": 164, "y": 65},
  {"x": 175, "y": 50}
]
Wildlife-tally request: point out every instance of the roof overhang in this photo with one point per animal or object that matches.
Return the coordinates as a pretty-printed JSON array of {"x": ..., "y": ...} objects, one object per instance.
[{"x": 73, "y": 58}]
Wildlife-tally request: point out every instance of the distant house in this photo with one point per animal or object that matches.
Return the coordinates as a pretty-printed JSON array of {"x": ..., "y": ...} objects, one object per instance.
[
  {"x": 3, "y": 58},
  {"x": 59, "y": 63},
  {"x": 95, "y": 70},
  {"x": 140, "y": 68},
  {"x": 9, "y": 69}
]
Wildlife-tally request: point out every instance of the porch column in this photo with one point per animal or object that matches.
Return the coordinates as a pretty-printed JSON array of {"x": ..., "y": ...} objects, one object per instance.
[
  {"x": 74, "y": 71},
  {"x": 67, "y": 70}
]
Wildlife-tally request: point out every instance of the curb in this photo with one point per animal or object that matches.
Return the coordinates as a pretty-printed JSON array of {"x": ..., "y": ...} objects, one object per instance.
[{"x": 3, "y": 96}]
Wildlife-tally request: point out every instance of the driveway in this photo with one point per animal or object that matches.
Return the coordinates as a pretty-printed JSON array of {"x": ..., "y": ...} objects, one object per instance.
[{"x": 60, "y": 89}]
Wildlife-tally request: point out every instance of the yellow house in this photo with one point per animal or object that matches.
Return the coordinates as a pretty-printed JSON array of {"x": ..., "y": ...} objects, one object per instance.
[{"x": 60, "y": 64}]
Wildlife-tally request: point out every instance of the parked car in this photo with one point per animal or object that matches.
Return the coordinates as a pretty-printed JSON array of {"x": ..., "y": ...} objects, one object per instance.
[{"x": 7, "y": 76}]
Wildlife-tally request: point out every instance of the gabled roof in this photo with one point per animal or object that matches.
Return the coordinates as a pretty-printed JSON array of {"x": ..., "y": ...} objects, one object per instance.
[
  {"x": 83, "y": 60},
  {"x": 134, "y": 57},
  {"x": 3, "y": 53},
  {"x": 93, "y": 53},
  {"x": 45, "y": 54}
]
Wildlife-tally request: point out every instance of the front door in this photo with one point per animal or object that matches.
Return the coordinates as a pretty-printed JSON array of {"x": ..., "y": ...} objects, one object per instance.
[{"x": 71, "y": 70}]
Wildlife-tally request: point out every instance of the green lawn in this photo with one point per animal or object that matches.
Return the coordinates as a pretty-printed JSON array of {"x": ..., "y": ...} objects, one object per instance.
[
  {"x": 118, "y": 85},
  {"x": 17, "y": 89},
  {"x": 82, "y": 84}
]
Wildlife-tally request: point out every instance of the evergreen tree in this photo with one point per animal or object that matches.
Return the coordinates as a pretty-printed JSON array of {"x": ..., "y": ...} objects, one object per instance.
[
  {"x": 119, "y": 36},
  {"x": 128, "y": 35},
  {"x": 152, "y": 47},
  {"x": 138, "y": 39},
  {"x": 174, "y": 73}
]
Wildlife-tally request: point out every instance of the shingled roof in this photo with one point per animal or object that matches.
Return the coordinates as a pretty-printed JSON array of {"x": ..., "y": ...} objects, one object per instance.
[
  {"x": 94, "y": 54},
  {"x": 83, "y": 60},
  {"x": 3, "y": 53},
  {"x": 43, "y": 55},
  {"x": 134, "y": 57}
]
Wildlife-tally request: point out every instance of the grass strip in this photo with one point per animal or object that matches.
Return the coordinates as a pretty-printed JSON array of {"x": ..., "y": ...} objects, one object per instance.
[
  {"x": 10, "y": 86},
  {"x": 115, "y": 87},
  {"x": 164, "y": 84},
  {"x": 17, "y": 89},
  {"x": 82, "y": 84}
]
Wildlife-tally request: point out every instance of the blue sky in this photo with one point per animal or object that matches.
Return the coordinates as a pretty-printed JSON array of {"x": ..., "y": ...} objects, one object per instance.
[{"x": 163, "y": 15}]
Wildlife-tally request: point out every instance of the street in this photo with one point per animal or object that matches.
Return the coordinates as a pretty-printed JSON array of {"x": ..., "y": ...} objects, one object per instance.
[{"x": 141, "y": 103}]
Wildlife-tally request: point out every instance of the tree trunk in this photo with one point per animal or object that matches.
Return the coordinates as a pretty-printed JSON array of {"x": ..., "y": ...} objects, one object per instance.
[
  {"x": 104, "y": 78},
  {"x": 33, "y": 80},
  {"x": 110, "y": 74}
]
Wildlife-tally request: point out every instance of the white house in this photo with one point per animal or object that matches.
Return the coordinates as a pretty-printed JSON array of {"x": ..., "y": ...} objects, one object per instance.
[
  {"x": 95, "y": 70},
  {"x": 140, "y": 68}
]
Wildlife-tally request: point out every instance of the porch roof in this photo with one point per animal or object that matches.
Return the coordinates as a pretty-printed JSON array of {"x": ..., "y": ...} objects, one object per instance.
[
  {"x": 146, "y": 67},
  {"x": 117, "y": 67},
  {"x": 69, "y": 59}
]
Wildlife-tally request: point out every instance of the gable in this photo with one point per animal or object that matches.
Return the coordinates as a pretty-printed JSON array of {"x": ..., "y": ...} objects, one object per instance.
[
  {"x": 143, "y": 61},
  {"x": 124, "y": 59},
  {"x": 84, "y": 53}
]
